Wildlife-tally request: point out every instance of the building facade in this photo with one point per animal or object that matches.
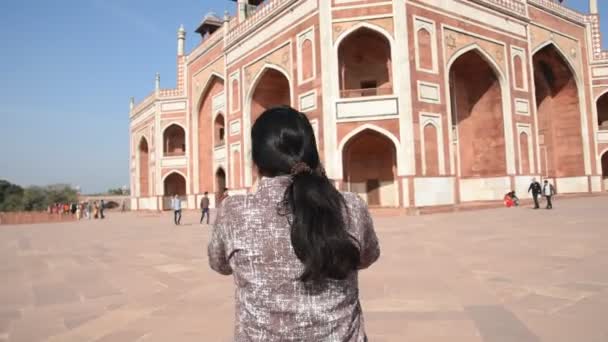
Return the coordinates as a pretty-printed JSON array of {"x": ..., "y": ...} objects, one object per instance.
[{"x": 414, "y": 103}]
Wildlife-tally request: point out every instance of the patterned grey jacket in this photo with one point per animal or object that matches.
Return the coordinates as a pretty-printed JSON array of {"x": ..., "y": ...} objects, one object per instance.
[{"x": 251, "y": 240}]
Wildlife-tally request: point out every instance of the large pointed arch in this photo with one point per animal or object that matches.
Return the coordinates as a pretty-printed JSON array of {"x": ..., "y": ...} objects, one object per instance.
[
  {"x": 604, "y": 166},
  {"x": 375, "y": 128},
  {"x": 208, "y": 82},
  {"x": 143, "y": 166},
  {"x": 506, "y": 104},
  {"x": 560, "y": 147},
  {"x": 175, "y": 138},
  {"x": 202, "y": 132},
  {"x": 247, "y": 113},
  {"x": 479, "y": 50},
  {"x": 378, "y": 185},
  {"x": 371, "y": 86},
  {"x": 180, "y": 188},
  {"x": 498, "y": 160}
]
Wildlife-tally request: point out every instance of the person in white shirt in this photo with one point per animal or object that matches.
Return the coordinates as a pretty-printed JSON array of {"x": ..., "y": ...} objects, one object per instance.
[
  {"x": 176, "y": 203},
  {"x": 548, "y": 192}
]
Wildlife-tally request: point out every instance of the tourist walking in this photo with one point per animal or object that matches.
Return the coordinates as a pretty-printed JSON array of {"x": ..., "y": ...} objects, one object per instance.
[
  {"x": 536, "y": 190},
  {"x": 88, "y": 210},
  {"x": 177, "y": 210},
  {"x": 96, "y": 210},
  {"x": 548, "y": 192},
  {"x": 295, "y": 246},
  {"x": 102, "y": 206},
  {"x": 205, "y": 207},
  {"x": 78, "y": 211}
]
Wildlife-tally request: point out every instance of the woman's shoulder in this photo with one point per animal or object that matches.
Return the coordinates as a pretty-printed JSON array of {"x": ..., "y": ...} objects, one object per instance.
[
  {"x": 234, "y": 202},
  {"x": 353, "y": 200}
]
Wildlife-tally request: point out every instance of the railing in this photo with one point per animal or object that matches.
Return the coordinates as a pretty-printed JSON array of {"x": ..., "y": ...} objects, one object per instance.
[
  {"x": 560, "y": 10},
  {"x": 352, "y": 93},
  {"x": 175, "y": 154},
  {"x": 148, "y": 100},
  {"x": 515, "y": 6},
  {"x": 261, "y": 12}
]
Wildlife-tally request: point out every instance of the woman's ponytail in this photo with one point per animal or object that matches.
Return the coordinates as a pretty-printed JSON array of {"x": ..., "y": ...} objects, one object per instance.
[
  {"x": 318, "y": 229},
  {"x": 283, "y": 143}
]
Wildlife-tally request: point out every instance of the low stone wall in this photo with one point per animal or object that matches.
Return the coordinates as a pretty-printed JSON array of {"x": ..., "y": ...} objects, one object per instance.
[{"x": 33, "y": 217}]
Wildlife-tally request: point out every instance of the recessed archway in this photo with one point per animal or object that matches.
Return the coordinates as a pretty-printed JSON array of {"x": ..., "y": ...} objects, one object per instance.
[
  {"x": 605, "y": 169},
  {"x": 219, "y": 130},
  {"x": 559, "y": 118},
  {"x": 365, "y": 71},
  {"x": 174, "y": 140},
  {"x": 220, "y": 183},
  {"x": 477, "y": 116},
  {"x": 205, "y": 133},
  {"x": 370, "y": 168},
  {"x": 175, "y": 184},
  {"x": 144, "y": 161},
  {"x": 271, "y": 89},
  {"x": 602, "y": 111}
]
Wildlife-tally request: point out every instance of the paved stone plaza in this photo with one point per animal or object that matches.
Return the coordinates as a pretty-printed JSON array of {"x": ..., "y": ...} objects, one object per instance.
[{"x": 498, "y": 275}]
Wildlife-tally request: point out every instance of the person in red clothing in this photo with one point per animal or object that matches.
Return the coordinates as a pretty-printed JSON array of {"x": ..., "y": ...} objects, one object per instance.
[{"x": 508, "y": 200}]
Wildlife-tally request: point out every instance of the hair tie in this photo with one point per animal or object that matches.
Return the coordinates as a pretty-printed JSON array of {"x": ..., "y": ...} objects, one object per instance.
[{"x": 300, "y": 167}]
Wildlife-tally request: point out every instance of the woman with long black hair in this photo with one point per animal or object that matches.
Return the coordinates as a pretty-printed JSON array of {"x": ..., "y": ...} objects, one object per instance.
[{"x": 296, "y": 245}]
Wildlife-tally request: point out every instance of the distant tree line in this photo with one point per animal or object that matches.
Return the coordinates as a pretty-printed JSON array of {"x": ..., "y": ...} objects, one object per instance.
[
  {"x": 34, "y": 198},
  {"x": 119, "y": 192}
]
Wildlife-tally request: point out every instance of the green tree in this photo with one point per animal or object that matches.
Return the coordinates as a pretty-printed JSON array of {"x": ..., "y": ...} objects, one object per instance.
[
  {"x": 10, "y": 196},
  {"x": 35, "y": 198},
  {"x": 61, "y": 193}
]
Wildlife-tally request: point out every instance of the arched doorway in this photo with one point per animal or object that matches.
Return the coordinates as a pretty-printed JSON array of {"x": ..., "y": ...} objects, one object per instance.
[
  {"x": 370, "y": 165},
  {"x": 365, "y": 71},
  {"x": 559, "y": 119},
  {"x": 144, "y": 161},
  {"x": 220, "y": 183},
  {"x": 477, "y": 116},
  {"x": 174, "y": 184},
  {"x": 272, "y": 89},
  {"x": 174, "y": 141},
  {"x": 602, "y": 112},
  {"x": 605, "y": 170},
  {"x": 219, "y": 130},
  {"x": 205, "y": 133}
]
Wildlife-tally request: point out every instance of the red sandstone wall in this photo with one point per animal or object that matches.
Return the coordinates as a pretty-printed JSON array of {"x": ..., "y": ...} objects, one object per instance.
[{"x": 33, "y": 217}]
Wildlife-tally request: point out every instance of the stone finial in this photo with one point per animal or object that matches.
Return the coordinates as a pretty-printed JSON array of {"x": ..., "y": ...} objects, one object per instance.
[
  {"x": 226, "y": 16},
  {"x": 157, "y": 83},
  {"x": 593, "y": 7},
  {"x": 131, "y": 103},
  {"x": 181, "y": 40}
]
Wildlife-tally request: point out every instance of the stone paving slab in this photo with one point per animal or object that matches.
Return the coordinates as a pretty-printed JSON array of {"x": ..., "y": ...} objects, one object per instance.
[{"x": 496, "y": 275}]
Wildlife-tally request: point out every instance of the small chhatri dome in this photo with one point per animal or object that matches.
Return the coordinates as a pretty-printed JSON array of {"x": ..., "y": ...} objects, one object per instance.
[{"x": 210, "y": 23}]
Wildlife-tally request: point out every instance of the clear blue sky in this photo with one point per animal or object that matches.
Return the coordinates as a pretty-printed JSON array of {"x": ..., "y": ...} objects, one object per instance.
[{"x": 67, "y": 70}]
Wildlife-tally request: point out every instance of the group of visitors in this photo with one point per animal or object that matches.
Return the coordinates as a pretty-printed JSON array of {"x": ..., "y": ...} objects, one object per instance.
[
  {"x": 82, "y": 210},
  {"x": 538, "y": 191},
  {"x": 176, "y": 205},
  {"x": 547, "y": 190}
]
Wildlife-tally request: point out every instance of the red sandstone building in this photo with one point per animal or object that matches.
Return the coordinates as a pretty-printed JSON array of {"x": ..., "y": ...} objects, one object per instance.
[{"x": 415, "y": 103}]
